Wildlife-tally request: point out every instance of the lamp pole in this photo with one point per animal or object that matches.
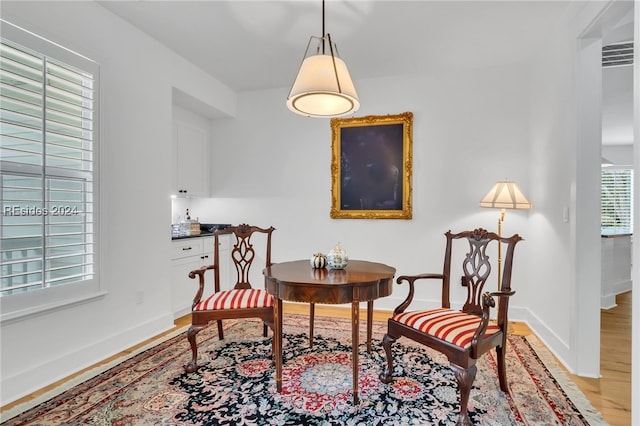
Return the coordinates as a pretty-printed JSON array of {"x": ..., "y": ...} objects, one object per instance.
[{"x": 500, "y": 220}]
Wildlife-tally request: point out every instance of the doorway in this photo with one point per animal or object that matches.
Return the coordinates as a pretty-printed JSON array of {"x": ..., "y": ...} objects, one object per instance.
[{"x": 610, "y": 23}]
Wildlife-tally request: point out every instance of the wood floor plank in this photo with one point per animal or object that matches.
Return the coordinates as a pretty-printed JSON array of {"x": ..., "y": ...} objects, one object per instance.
[{"x": 611, "y": 393}]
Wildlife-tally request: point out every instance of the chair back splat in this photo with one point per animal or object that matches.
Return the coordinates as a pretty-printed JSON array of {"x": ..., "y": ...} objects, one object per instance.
[
  {"x": 466, "y": 334},
  {"x": 240, "y": 300},
  {"x": 476, "y": 268}
]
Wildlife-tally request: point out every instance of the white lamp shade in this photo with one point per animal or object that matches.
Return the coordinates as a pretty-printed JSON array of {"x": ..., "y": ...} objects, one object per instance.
[
  {"x": 315, "y": 92},
  {"x": 505, "y": 195}
]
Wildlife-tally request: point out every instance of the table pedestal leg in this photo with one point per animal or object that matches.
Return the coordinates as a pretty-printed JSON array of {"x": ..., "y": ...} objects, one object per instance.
[
  {"x": 355, "y": 331},
  {"x": 277, "y": 339}
]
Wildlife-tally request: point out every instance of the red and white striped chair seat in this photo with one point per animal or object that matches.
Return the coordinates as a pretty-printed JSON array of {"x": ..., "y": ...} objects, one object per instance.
[
  {"x": 445, "y": 324},
  {"x": 236, "y": 299}
]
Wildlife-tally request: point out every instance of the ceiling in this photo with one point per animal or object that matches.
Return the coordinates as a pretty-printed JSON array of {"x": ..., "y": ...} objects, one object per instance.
[
  {"x": 250, "y": 45},
  {"x": 253, "y": 45}
]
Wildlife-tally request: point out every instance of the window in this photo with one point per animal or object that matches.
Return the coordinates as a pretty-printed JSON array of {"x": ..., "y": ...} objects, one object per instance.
[
  {"x": 617, "y": 200},
  {"x": 47, "y": 155}
]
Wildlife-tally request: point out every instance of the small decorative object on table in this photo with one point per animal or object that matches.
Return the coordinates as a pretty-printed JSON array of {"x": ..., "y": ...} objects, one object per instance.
[
  {"x": 337, "y": 258},
  {"x": 318, "y": 261}
]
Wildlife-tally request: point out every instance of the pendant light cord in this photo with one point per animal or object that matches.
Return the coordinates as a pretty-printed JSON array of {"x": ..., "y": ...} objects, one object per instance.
[{"x": 323, "y": 33}]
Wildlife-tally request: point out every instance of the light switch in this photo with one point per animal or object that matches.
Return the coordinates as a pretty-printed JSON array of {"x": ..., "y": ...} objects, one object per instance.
[{"x": 565, "y": 214}]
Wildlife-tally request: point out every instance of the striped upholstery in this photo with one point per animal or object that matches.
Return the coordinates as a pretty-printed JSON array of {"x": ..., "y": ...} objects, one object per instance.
[
  {"x": 236, "y": 299},
  {"x": 452, "y": 326}
]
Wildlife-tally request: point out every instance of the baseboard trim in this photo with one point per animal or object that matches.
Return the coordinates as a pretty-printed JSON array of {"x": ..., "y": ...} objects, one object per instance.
[{"x": 21, "y": 385}]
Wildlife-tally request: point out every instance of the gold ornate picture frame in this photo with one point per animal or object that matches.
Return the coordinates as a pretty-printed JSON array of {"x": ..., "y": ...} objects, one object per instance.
[{"x": 371, "y": 167}]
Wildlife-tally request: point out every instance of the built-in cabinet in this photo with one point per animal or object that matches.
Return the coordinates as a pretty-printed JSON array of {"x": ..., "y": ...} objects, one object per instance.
[
  {"x": 616, "y": 268},
  {"x": 189, "y": 254},
  {"x": 191, "y": 153}
]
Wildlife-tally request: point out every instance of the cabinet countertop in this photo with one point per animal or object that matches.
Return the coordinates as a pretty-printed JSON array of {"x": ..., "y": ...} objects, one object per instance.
[{"x": 184, "y": 237}]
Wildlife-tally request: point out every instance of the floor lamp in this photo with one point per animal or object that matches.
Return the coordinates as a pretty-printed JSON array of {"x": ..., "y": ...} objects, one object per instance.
[{"x": 504, "y": 195}]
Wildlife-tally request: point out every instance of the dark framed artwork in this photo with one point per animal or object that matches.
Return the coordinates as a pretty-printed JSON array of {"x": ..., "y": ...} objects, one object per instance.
[{"x": 371, "y": 167}]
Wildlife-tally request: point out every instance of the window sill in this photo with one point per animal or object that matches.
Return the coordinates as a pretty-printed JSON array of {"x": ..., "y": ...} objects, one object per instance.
[{"x": 23, "y": 314}]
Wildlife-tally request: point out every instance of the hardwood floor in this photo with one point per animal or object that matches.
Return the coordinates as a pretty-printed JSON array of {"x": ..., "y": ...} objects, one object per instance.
[{"x": 610, "y": 395}]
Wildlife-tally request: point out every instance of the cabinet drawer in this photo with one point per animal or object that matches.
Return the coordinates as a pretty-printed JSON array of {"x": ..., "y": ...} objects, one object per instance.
[{"x": 186, "y": 247}]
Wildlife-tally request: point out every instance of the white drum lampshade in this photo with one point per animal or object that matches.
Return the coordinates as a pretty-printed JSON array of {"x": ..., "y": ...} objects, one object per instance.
[{"x": 323, "y": 88}]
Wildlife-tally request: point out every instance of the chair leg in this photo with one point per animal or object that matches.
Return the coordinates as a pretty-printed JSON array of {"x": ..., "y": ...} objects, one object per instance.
[
  {"x": 465, "y": 378},
  {"x": 369, "y": 324},
  {"x": 273, "y": 349},
  {"x": 268, "y": 324},
  {"x": 312, "y": 314},
  {"x": 387, "y": 341},
  {"x": 192, "y": 366},
  {"x": 220, "y": 333},
  {"x": 502, "y": 371}
]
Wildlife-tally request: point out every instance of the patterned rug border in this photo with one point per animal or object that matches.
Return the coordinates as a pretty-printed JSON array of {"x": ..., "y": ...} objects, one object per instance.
[
  {"x": 593, "y": 416},
  {"x": 544, "y": 354},
  {"x": 89, "y": 374}
]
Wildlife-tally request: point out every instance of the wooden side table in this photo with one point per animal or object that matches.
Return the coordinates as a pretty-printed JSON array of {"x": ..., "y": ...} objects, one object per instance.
[{"x": 296, "y": 281}]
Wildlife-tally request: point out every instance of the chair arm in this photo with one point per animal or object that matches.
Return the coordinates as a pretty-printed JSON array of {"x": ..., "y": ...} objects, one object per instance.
[
  {"x": 488, "y": 302},
  {"x": 506, "y": 294},
  {"x": 411, "y": 279},
  {"x": 200, "y": 273},
  {"x": 498, "y": 294}
]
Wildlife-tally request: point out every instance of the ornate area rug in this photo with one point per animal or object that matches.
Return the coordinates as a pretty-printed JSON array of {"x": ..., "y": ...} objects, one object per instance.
[{"x": 235, "y": 385}]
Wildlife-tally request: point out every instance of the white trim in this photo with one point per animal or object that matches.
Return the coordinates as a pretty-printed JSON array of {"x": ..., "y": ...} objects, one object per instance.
[
  {"x": 29, "y": 381},
  {"x": 16, "y": 314},
  {"x": 635, "y": 271},
  {"x": 17, "y": 307}
]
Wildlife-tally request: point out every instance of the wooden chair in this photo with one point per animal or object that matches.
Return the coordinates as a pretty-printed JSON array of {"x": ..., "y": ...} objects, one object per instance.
[
  {"x": 462, "y": 335},
  {"x": 243, "y": 301}
]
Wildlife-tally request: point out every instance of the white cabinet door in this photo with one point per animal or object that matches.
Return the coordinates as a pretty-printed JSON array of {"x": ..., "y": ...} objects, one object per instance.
[
  {"x": 191, "y": 150},
  {"x": 189, "y": 254},
  {"x": 616, "y": 269},
  {"x": 183, "y": 288},
  {"x": 227, "y": 280}
]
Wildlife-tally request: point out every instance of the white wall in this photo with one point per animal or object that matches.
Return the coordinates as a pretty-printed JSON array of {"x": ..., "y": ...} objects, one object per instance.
[
  {"x": 566, "y": 95},
  {"x": 617, "y": 105},
  {"x": 136, "y": 80},
  {"x": 471, "y": 129},
  {"x": 619, "y": 155},
  {"x": 552, "y": 164}
]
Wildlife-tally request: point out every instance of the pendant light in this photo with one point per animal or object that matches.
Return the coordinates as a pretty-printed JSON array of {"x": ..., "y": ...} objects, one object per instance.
[{"x": 323, "y": 87}]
